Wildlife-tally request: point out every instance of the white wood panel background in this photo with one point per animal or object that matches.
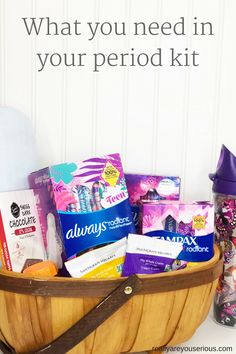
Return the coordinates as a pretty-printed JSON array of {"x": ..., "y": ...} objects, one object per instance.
[{"x": 162, "y": 120}]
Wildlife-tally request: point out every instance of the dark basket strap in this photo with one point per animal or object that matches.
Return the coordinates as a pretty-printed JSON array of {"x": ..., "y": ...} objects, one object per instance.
[
  {"x": 6, "y": 349},
  {"x": 71, "y": 287},
  {"x": 90, "y": 321}
]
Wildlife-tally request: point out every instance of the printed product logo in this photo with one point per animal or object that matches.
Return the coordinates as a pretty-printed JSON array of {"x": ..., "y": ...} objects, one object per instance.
[
  {"x": 195, "y": 248},
  {"x": 113, "y": 196},
  {"x": 82, "y": 231},
  {"x": 110, "y": 174},
  {"x": 199, "y": 222},
  {"x": 166, "y": 187},
  {"x": 26, "y": 219},
  {"x": 187, "y": 240},
  {"x": 135, "y": 213},
  {"x": 97, "y": 229},
  {"x": 15, "y": 210}
]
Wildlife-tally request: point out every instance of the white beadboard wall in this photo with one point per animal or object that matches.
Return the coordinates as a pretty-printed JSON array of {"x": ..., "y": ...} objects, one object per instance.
[{"x": 162, "y": 120}]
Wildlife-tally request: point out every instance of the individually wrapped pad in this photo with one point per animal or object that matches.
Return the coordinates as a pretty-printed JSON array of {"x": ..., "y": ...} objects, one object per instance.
[
  {"x": 104, "y": 262},
  {"x": 147, "y": 255}
]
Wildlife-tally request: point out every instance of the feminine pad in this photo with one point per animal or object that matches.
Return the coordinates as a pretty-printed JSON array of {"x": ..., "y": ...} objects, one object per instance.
[{"x": 147, "y": 255}]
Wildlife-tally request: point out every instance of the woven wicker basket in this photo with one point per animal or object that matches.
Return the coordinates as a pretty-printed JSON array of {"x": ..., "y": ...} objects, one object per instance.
[{"x": 112, "y": 316}]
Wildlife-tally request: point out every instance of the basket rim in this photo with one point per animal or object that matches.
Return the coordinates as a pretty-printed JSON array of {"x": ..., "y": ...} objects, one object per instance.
[{"x": 204, "y": 273}]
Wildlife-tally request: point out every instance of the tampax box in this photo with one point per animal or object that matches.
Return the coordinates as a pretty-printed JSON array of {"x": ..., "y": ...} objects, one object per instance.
[
  {"x": 89, "y": 200},
  {"x": 20, "y": 232},
  {"x": 191, "y": 223},
  {"x": 149, "y": 188}
]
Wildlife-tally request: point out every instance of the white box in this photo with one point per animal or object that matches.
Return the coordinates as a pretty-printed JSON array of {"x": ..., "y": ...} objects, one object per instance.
[{"x": 20, "y": 233}]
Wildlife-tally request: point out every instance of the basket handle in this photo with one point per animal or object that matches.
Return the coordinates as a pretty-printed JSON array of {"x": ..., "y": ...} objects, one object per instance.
[
  {"x": 6, "y": 348},
  {"x": 92, "y": 320}
]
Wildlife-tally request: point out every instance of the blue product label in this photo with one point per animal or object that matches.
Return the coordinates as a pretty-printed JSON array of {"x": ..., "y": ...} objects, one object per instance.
[
  {"x": 195, "y": 248},
  {"x": 135, "y": 212},
  {"x": 82, "y": 231}
]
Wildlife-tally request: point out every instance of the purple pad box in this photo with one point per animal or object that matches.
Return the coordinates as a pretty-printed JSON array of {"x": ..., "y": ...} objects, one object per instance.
[
  {"x": 149, "y": 188},
  {"x": 192, "y": 224}
]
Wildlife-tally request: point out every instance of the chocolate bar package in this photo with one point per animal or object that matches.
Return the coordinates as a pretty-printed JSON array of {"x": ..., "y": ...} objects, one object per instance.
[
  {"x": 21, "y": 240},
  {"x": 88, "y": 201}
]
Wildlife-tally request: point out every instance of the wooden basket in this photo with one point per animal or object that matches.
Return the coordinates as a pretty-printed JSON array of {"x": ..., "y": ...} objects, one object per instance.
[{"x": 112, "y": 316}]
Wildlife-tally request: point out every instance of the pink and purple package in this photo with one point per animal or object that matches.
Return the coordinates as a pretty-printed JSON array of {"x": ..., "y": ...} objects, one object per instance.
[
  {"x": 192, "y": 224},
  {"x": 149, "y": 188},
  {"x": 87, "y": 202}
]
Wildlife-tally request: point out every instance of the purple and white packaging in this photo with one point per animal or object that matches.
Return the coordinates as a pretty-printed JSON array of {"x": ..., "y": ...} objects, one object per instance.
[
  {"x": 149, "y": 188},
  {"x": 148, "y": 255}
]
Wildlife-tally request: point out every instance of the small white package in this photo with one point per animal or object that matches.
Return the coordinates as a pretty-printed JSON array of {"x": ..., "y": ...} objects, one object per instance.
[
  {"x": 103, "y": 262},
  {"x": 21, "y": 242}
]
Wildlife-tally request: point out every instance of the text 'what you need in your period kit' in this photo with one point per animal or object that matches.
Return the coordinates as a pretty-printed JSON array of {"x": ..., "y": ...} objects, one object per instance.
[{"x": 97, "y": 60}]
